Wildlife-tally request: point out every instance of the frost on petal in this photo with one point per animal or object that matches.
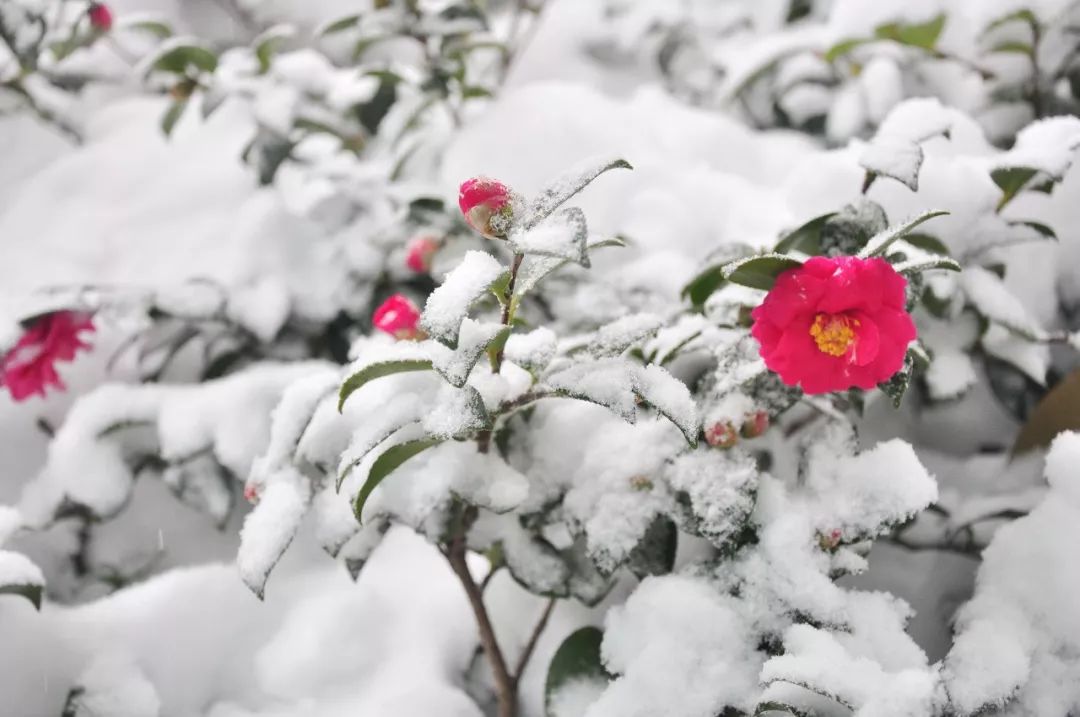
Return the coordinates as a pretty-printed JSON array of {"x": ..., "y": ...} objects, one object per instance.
[
  {"x": 271, "y": 525},
  {"x": 449, "y": 304}
]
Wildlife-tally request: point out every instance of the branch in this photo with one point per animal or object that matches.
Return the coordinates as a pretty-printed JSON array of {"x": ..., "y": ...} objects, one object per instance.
[
  {"x": 506, "y": 686},
  {"x": 530, "y": 646}
]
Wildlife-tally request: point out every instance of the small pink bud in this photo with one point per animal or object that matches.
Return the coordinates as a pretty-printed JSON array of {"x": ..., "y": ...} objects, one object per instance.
[
  {"x": 251, "y": 493},
  {"x": 419, "y": 252},
  {"x": 721, "y": 435},
  {"x": 830, "y": 541},
  {"x": 755, "y": 424},
  {"x": 100, "y": 16},
  {"x": 488, "y": 206},
  {"x": 398, "y": 317}
]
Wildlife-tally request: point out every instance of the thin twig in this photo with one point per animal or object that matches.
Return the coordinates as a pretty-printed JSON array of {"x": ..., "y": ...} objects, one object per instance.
[
  {"x": 530, "y": 646},
  {"x": 505, "y": 685}
]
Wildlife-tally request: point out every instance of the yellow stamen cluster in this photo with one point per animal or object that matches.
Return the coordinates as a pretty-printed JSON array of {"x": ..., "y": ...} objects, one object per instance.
[{"x": 833, "y": 334}]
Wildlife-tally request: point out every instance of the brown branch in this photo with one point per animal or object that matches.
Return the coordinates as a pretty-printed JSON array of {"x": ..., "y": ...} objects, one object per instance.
[
  {"x": 530, "y": 646},
  {"x": 505, "y": 685}
]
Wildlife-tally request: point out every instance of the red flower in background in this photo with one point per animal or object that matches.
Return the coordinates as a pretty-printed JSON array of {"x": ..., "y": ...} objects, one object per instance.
[
  {"x": 398, "y": 317},
  {"x": 488, "y": 206},
  {"x": 30, "y": 367},
  {"x": 419, "y": 252},
  {"x": 100, "y": 16},
  {"x": 835, "y": 323}
]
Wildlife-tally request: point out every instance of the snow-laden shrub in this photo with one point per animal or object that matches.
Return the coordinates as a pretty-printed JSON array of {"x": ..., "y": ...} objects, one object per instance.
[{"x": 707, "y": 472}]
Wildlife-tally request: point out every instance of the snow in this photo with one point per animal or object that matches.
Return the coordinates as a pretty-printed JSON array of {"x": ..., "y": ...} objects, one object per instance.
[
  {"x": 16, "y": 570},
  {"x": 113, "y": 685},
  {"x": 270, "y": 528},
  {"x": 449, "y": 304},
  {"x": 1047, "y": 146}
]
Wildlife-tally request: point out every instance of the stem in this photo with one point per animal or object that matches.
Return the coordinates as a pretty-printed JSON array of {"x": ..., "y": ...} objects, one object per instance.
[
  {"x": 507, "y": 312},
  {"x": 523, "y": 660},
  {"x": 505, "y": 684}
]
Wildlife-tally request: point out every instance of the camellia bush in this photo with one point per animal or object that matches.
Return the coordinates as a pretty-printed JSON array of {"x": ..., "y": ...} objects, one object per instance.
[{"x": 555, "y": 487}]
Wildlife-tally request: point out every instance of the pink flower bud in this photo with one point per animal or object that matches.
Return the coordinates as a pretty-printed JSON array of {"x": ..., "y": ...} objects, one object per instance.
[
  {"x": 755, "y": 424},
  {"x": 100, "y": 16},
  {"x": 721, "y": 435},
  {"x": 30, "y": 366},
  {"x": 419, "y": 252},
  {"x": 398, "y": 317},
  {"x": 488, "y": 206},
  {"x": 251, "y": 493},
  {"x": 830, "y": 541}
]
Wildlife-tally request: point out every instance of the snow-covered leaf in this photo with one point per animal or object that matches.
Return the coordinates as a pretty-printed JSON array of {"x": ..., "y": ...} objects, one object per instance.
[
  {"x": 806, "y": 238},
  {"x": 615, "y": 338},
  {"x": 607, "y": 382},
  {"x": 880, "y": 243},
  {"x": 576, "y": 664},
  {"x": 474, "y": 339},
  {"x": 456, "y": 413},
  {"x": 535, "y": 268},
  {"x": 449, "y": 304},
  {"x": 270, "y": 527},
  {"x": 655, "y": 554},
  {"x": 670, "y": 397},
  {"x": 19, "y": 576},
  {"x": 378, "y": 369},
  {"x": 387, "y": 462},
  {"x": 555, "y": 194},
  {"x": 987, "y": 293},
  {"x": 562, "y": 235}
]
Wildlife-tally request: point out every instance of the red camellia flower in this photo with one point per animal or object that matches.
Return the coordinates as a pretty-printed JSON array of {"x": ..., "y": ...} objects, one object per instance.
[
  {"x": 398, "y": 317},
  {"x": 100, "y": 16},
  {"x": 30, "y": 367},
  {"x": 419, "y": 253},
  {"x": 834, "y": 323},
  {"x": 488, "y": 206}
]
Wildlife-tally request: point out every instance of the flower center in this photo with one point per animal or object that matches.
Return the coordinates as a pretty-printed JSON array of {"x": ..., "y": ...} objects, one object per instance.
[{"x": 833, "y": 333}]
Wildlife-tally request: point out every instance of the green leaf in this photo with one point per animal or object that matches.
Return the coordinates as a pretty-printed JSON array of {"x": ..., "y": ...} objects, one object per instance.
[
  {"x": 1041, "y": 228},
  {"x": 880, "y": 243},
  {"x": 578, "y": 658},
  {"x": 918, "y": 267},
  {"x": 927, "y": 242},
  {"x": 897, "y": 385},
  {"x": 1013, "y": 46},
  {"x": 555, "y": 194},
  {"x": 924, "y": 35},
  {"x": 702, "y": 286},
  {"x": 366, "y": 43},
  {"x": 1011, "y": 180},
  {"x": 655, "y": 554},
  {"x": 378, "y": 370},
  {"x": 806, "y": 238},
  {"x": 773, "y": 708},
  {"x": 387, "y": 462},
  {"x": 172, "y": 115},
  {"x": 844, "y": 47},
  {"x": 268, "y": 43},
  {"x": 339, "y": 25},
  {"x": 759, "y": 272},
  {"x": 31, "y": 592},
  {"x": 154, "y": 27},
  {"x": 1024, "y": 15},
  {"x": 180, "y": 58}
]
